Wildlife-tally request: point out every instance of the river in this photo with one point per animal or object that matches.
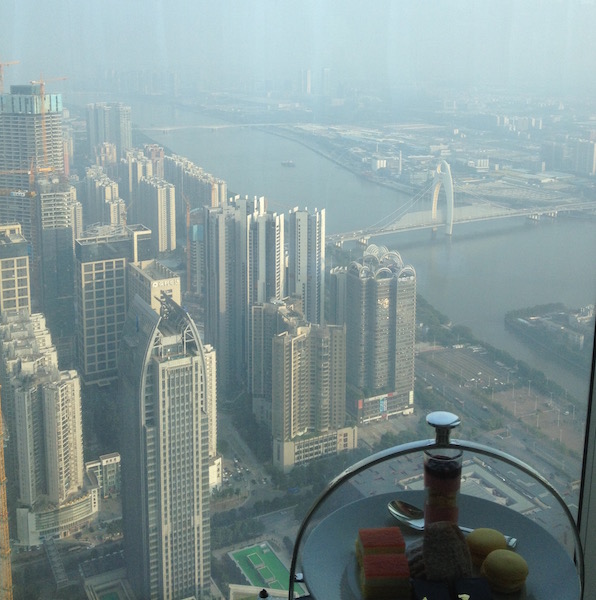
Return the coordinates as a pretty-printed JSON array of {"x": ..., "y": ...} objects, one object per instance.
[{"x": 475, "y": 277}]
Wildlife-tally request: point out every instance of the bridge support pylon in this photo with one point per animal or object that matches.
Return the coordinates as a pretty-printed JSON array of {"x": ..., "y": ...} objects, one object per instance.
[{"x": 442, "y": 177}]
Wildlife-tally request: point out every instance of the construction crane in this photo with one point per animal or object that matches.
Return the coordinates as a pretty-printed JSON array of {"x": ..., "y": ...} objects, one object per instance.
[
  {"x": 32, "y": 171},
  {"x": 42, "y": 93},
  {"x": 5, "y": 566},
  {"x": 2, "y": 65}
]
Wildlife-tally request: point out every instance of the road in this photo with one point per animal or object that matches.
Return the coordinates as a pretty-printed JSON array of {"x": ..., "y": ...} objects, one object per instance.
[{"x": 243, "y": 466}]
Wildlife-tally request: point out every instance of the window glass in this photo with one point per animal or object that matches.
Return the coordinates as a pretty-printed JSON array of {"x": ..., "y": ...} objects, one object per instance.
[{"x": 453, "y": 151}]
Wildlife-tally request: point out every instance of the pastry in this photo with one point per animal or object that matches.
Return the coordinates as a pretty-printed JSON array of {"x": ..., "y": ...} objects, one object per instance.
[
  {"x": 379, "y": 540},
  {"x": 483, "y": 541},
  {"x": 505, "y": 570},
  {"x": 415, "y": 556},
  {"x": 385, "y": 576},
  {"x": 446, "y": 554}
]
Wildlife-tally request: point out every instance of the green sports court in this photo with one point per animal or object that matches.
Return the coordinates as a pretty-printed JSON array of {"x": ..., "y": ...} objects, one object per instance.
[{"x": 261, "y": 567}]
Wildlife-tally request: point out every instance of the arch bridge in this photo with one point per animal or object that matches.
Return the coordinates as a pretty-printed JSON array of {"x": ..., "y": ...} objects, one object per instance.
[{"x": 406, "y": 218}]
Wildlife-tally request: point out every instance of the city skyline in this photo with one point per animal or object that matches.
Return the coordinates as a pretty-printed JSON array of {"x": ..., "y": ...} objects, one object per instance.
[{"x": 262, "y": 250}]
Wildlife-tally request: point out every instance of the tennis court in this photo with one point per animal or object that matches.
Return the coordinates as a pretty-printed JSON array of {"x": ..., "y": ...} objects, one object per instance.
[{"x": 261, "y": 567}]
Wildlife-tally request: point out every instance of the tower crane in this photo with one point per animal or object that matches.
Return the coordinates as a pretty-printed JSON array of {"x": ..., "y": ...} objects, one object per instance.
[
  {"x": 42, "y": 93},
  {"x": 32, "y": 171},
  {"x": 5, "y": 566},
  {"x": 2, "y": 65}
]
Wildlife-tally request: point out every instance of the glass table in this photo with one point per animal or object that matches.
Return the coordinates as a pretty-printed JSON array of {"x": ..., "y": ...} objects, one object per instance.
[{"x": 324, "y": 557}]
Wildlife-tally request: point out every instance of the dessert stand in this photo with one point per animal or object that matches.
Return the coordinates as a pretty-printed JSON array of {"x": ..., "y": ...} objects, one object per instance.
[{"x": 326, "y": 536}]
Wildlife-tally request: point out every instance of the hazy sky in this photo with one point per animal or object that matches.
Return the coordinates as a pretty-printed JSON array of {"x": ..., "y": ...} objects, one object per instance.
[{"x": 547, "y": 43}]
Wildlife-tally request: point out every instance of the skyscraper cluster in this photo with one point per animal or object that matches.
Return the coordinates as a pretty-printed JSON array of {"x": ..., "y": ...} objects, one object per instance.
[
  {"x": 315, "y": 354},
  {"x": 41, "y": 406},
  {"x": 102, "y": 202},
  {"x": 109, "y": 122},
  {"x": 89, "y": 263}
]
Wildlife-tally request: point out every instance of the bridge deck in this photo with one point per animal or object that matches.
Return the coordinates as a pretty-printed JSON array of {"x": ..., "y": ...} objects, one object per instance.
[{"x": 462, "y": 214}]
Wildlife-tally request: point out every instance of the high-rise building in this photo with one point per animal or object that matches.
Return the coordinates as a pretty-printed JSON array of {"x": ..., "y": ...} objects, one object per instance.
[
  {"x": 165, "y": 453},
  {"x": 222, "y": 304},
  {"x": 244, "y": 248},
  {"x": 15, "y": 294},
  {"x": 266, "y": 265},
  {"x": 306, "y": 82},
  {"x": 380, "y": 329},
  {"x": 134, "y": 165},
  {"x": 336, "y": 289},
  {"x": 156, "y": 155},
  {"x": 23, "y": 208},
  {"x": 306, "y": 261},
  {"x": 52, "y": 207},
  {"x": 196, "y": 241},
  {"x": 109, "y": 122},
  {"x": 60, "y": 224},
  {"x": 103, "y": 204},
  {"x": 585, "y": 157},
  {"x": 151, "y": 280},
  {"x": 101, "y": 258},
  {"x": 326, "y": 82},
  {"x": 193, "y": 186},
  {"x": 18, "y": 206},
  {"x": 31, "y": 137},
  {"x": 14, "y": 300},
  {"x": 43, "y": 410},
  {"x": 308, "y": 392},
  {"x": 107, "y": 158},
  {"x": 157, "y": 210},
  {"x": 210, "y": 407},
  {"x": 268, "y": 319}
]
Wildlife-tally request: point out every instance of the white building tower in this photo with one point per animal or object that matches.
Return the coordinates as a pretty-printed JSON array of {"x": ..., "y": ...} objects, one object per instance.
[
  {"x": 306, "y": 261},
  {"x": 165, "y": 453}
]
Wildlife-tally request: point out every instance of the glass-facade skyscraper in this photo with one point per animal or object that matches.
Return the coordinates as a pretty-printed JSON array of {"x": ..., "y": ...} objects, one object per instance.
[{"x": 165, "y": 453}]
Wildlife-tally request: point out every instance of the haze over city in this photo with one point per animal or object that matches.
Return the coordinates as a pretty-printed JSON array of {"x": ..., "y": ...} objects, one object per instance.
[
  {"x": 535, "y": 46},
  {"x": 245, "y": 245}
]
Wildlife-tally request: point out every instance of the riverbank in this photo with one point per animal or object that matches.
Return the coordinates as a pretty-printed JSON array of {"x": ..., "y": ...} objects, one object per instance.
[
  {"x": 549, "y": 328},
  {"x": 299, "y": 138}
]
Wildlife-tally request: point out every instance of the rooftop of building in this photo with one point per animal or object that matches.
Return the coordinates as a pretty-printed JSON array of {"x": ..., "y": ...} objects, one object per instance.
[
  {"x": 155, "y": 270},
  {"x": 100, "y": 233},
  {"x": 11, "y": 234}
]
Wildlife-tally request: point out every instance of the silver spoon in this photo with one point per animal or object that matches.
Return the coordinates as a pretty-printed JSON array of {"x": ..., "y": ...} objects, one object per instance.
[{"x": 413, "y": 517}]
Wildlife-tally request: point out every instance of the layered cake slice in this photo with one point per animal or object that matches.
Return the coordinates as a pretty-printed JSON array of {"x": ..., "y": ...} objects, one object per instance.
[
  {"x": 385, "y": 576},
  {"x": 379, "y": 540}
]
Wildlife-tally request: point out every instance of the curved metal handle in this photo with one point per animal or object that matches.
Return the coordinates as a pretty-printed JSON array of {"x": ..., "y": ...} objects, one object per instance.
[{"x": 404, "y": 449}]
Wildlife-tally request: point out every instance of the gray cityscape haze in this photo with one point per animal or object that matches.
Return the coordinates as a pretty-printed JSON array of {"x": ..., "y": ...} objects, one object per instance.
[
  {"x": 246, "y": 244},
  {"x": 535, "y": 45}
]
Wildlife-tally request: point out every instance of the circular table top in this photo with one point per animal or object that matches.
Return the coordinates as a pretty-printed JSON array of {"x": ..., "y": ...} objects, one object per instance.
[{"x": 328, "y": 555}]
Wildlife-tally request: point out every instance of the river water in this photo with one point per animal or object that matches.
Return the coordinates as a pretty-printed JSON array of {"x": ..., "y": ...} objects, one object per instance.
[{"x": 474, "y": 277}]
